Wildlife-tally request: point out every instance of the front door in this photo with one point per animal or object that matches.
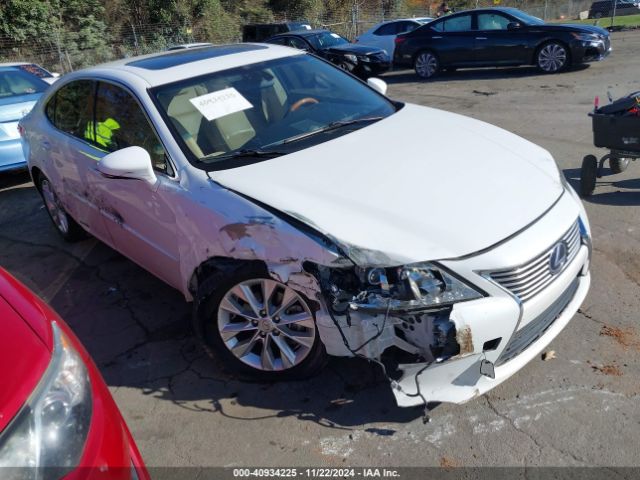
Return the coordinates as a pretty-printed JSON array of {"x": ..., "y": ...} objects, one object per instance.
[{"x": 139, "y": 217}]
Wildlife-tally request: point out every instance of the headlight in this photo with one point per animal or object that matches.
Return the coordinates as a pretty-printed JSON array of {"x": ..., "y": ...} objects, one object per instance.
[
  {"x": 351, "y": 58},
  {"x": 585, "y": 37},
  {"x": 51, "y": 429},
  {"x": 364, "y": 59},
  {"x": 412, "y": 287}
]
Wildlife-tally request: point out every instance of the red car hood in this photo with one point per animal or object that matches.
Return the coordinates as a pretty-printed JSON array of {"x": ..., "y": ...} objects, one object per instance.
[{"x": 24, "y": 352}]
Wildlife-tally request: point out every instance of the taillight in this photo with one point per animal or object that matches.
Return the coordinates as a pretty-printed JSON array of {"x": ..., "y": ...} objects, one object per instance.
[
  {"x": 400, "y": 40},
  {"x": 21, "y": 130}
]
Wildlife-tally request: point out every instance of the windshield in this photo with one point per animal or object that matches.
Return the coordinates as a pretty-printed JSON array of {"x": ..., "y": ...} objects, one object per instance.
[
  {"x": 525, "y": 18},
  {"x": 326, "y": 40},
  {"x": 286, "y": 105},
  {"x": 16, "y": 82}
]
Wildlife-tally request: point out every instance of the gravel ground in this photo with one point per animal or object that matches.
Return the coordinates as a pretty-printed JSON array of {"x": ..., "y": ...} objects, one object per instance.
[{"x": 580, "y": 408}]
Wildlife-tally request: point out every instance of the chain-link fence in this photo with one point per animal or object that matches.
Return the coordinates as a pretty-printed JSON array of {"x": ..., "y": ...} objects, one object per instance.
[{"x": 64, "y": 53}]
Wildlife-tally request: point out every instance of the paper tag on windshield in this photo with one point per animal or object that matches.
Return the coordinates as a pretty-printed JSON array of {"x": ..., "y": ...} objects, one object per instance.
[{"x": 221, "y": 103}]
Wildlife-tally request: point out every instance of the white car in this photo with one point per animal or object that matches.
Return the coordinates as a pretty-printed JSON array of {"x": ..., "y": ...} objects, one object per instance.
[
  {"x": 261, "y": 182},
  {"x": 383, "y": 34}
]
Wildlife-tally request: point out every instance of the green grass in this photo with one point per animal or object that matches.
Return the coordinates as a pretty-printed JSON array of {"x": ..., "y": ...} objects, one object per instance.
[{"x": 625, "y": 21}]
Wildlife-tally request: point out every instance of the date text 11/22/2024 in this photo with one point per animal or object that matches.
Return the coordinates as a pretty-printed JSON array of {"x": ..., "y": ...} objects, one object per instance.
[{"x": 315, "y": 472}]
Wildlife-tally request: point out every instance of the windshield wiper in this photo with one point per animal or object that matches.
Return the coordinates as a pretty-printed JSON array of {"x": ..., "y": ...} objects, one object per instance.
[
  {"x": 246, "y": 153},
  {"x": 331, "y": 126}
]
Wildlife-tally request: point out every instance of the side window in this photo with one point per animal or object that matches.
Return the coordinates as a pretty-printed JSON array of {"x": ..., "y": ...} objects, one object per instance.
[
  {"x": 298, "y": 43},
  {"x": 404, "y": 27},
  {"x": 492, "y": 21},
  {"x": 438, "y": 26},
  {"x": 73, "y": 106},
  {"x": 387, "y": 29},
  {"x": 461, "y": 23},
  {"x": 120, "y": 123}
]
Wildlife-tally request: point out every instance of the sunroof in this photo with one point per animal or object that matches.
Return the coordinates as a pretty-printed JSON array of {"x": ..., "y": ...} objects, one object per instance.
[{"x": 181, "y": 57}]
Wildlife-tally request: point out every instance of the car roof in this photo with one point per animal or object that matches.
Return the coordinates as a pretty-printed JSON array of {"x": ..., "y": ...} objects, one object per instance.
[{"x": 168, "y": 67}]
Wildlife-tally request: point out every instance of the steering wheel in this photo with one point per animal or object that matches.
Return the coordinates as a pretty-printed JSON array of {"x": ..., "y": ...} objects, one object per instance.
[{"x": 303, "y": 101}]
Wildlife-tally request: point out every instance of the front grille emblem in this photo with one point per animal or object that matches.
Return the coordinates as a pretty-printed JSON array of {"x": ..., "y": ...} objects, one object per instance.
[{"x": 558, "y": 258}]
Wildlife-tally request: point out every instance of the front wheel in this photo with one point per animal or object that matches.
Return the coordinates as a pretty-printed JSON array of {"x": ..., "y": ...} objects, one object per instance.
[
  {"x": 552, "y": 57},
  {"x": 426, "y": 65},
  {"x": 618, "y": 165},
  {"x": 65, "y": 225},
  {"x": 259, "y": 326}
]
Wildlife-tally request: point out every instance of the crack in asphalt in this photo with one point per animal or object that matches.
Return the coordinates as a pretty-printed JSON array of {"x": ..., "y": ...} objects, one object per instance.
[{"x": 537, "y": 443}]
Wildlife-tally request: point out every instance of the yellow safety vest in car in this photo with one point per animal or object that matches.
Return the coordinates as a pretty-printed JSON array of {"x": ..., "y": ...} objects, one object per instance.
[{"x": 103, "y": 133}]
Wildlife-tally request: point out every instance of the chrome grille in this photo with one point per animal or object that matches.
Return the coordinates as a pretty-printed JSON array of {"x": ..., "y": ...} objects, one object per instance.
[
  {"x": 527, "y": 280},
  {"x": 531, "y": 332}
]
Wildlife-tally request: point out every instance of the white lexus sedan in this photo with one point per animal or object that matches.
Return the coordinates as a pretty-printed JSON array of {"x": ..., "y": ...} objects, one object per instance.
[{"x": 300, "y": 211}]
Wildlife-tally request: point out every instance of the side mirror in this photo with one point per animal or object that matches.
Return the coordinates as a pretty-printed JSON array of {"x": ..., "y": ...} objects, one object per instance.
[
  {"x": 378, "y": 85},
  {"x": 513, "y": 25},
  {"x": 132, "y": 162}
]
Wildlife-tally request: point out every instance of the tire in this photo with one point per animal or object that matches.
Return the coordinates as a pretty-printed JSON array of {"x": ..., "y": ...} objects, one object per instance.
[
  {"x": 552, "y": 57},
  {"x": 426, "y": 65},
  {"x": 618, "y": 165},
  {"x": 66, "y": 226},
  {"x": 588, "y": 175},
  {"x": 257, "y": 341}
]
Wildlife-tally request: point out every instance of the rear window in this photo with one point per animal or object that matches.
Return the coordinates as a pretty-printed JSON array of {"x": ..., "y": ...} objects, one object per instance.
[
  {"x": 36, "y": 70},
  {"x": 15, "y": 82}
]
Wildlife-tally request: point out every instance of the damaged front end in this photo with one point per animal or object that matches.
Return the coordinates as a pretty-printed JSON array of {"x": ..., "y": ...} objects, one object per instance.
[{"x": 401, "y": 317}]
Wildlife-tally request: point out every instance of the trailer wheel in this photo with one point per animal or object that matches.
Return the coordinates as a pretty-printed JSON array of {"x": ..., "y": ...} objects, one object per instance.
[
  {"x": 618, "y": 165},
  {"x": 588, "y": 175}
]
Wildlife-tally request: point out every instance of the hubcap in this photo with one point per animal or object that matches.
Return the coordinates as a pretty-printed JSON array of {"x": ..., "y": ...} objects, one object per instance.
[
  {"x": 58, "y": 215},
  {"x": 426, "y": 65},
  {"x": 552, "y": 57},
  {"x": 266, "y": 324}
]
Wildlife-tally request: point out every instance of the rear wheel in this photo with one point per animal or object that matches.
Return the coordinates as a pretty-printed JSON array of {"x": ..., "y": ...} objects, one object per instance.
[
  {"x": 426, "y": 65},
  {"x": 552, "y": 57},
  {"x": 618, "y": 165},
  {"x": 588, "y": 175},
  {"x": 66, "y": 226}
]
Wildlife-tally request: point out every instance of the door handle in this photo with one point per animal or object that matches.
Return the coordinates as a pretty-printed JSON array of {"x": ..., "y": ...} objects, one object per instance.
[
  {"x": 436, "y": 37},
  {"x": 481, "y": 38}
]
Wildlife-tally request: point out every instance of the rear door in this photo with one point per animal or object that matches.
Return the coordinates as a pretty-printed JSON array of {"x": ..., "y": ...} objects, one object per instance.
[
  {"x": 71, "y": 154},
  {"x": 453, "y": 39},
  {"x": 495, "y": 44}
]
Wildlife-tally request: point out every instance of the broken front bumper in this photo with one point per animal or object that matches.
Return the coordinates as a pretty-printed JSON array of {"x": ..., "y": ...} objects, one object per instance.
[{"x": 501, "y": 331}]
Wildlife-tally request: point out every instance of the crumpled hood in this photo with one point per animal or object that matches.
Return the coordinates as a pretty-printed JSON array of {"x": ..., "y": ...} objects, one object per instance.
[{"x": 422, "y": 184}]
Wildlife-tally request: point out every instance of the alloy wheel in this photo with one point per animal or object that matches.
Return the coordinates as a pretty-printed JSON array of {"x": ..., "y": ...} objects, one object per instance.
[
  {"x": 552, "y": 57},
  {"x": 55, "y": 209},
  {"x": 426, "y": 65},
  {"x": 266, "y": 325}
]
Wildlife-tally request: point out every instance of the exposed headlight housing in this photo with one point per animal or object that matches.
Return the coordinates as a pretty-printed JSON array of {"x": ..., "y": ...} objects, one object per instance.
[
  {"x": 51, "y": 428},
  {"x": 412, "y": 288}
]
